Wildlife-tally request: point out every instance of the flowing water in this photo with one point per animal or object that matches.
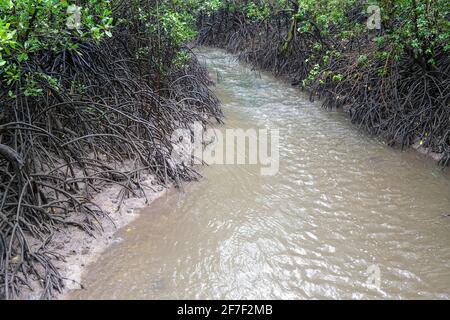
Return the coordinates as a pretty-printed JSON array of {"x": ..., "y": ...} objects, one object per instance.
[{"x": 345, "y": 217}]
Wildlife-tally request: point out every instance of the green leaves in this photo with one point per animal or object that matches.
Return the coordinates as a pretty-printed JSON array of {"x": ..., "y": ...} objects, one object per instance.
[
  {"x": 257, "y": 12},
  {"x": 178, "y": 26},
  {"x": 27, "y": 26},
  {"x": 362, "y": 59},
  {"x": 7, "y": 41},
  {"x": 422, "y": 26}
]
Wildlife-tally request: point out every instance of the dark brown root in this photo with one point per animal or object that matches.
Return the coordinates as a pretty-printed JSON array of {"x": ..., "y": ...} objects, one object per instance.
[{"x": 109, "y": 108}]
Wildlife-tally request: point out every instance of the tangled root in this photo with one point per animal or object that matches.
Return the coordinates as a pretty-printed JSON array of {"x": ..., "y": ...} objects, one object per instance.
[{"x": 60, "y": 148}]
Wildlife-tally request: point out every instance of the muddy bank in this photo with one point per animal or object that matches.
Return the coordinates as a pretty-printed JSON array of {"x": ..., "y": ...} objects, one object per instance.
[
  {"x": 382, "y": 85},
  {"x": 76, "y": 249}
]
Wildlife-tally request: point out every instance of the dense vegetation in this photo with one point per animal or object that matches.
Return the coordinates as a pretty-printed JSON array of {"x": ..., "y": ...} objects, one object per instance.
[
  {"x": 392, "y": 75},
  {"x": 85, "y": 90}
]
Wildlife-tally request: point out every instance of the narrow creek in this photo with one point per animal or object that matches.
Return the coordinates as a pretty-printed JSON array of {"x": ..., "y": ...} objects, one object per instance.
[{"x": 345, "y": 217}]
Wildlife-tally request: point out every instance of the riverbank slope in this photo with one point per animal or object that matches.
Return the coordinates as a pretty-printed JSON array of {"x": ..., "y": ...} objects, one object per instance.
[
  {"x": 89, "y": 99},
  {"x": 386, "y": 65}
]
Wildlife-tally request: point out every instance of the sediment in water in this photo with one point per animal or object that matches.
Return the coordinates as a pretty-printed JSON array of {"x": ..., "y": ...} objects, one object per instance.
[
  {"x": 399, "y": 99},
  {"x": 106, "y": 124}
]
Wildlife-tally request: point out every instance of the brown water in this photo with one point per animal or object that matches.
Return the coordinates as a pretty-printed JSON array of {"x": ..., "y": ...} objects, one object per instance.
[{"x": 343, "y": 207}]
